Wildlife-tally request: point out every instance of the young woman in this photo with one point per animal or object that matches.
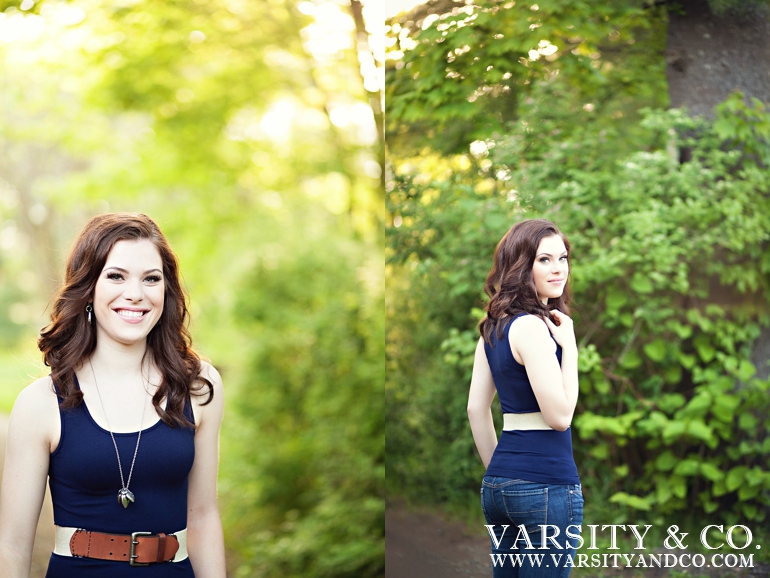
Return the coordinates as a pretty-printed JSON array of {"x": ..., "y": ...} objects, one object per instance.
[
  {"x": 531, "y": 493},
  {"x": 125, "y": 428}
]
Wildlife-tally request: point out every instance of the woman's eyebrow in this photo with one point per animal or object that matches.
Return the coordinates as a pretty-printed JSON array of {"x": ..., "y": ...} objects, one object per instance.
[
  {"x": 549, "y": 255},
  {"x": 125, "y": 271}
]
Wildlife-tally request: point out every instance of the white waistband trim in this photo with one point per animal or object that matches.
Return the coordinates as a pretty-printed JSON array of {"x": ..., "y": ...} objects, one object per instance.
[
  {"x": 64, "y": 535},
  {"x": 524, "y": 421}
]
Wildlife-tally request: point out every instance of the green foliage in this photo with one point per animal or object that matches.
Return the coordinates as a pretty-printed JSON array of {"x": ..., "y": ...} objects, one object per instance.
[
  {"x": 428, "y": 367},
  {"x": 671, "y": 276},
  {"x": 462, "y": 72},
  {"x": 250, "y": 139},
  {"x": 669, "y": 221},
  {"x": 670, "y": 272},
  {"x": 313, "y": 416}
]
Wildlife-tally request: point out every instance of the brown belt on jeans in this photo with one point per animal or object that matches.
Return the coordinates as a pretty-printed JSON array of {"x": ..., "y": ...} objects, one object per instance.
[{"x": 138, "y": 549}]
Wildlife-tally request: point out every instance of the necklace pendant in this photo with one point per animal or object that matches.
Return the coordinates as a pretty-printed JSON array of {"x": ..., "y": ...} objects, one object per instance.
[{"x": 125, "y": 496}]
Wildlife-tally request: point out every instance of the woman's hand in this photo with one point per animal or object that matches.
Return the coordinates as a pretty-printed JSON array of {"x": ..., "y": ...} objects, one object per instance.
[{"x": 564, "y": 333}]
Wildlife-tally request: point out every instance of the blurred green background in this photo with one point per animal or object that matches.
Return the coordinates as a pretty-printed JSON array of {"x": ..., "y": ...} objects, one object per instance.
[
  {"x": 252, "y": 132},
  {"x": 642, "y": 130}
]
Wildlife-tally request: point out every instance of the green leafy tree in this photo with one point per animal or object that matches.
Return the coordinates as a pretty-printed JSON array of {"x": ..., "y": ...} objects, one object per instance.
[
  {"x": 462, "y": 72},
  {"x": 314, "y": 427},
  {"x": 667, "y": 219},
  {"x": 252, "y": 141}
]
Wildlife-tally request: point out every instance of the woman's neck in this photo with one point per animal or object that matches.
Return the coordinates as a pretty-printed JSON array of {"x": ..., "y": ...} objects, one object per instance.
[{"x": 119, "y": 361}]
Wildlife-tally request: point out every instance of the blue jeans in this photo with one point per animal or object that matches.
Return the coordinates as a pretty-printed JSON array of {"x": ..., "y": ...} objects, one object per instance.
[{"x": 533, "y": 527}]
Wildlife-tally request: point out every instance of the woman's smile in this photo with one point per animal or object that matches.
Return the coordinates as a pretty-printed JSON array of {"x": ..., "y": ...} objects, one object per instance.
[{"x": 131, "y": 315}]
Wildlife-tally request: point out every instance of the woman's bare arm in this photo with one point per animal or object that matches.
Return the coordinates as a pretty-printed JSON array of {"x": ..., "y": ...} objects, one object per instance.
[
  {"x": 555, "y": 387},
  {"x": 204, "y": 528},
  {"x": 480, "y": 397},
  {"x": 34, "y": 422}
]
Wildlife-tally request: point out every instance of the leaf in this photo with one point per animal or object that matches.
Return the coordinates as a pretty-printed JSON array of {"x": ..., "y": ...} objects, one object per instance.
[
  {"x": 724, "y": 406},
  {"x": 719, "y": 488},
  {"x": 666, "y": 461},
  {"x": 688, "y": 361},
  {"x": 688, "y": 467},
  {"x": 656, "y": 350},
  {"x": 711, "y": 472},
  {"x": 603, "y": 386},
  {"x": 616, "y": 298},
  {"x": 745, "y": 370},
  {"x": 663, "y": 492},
  {"x": 748, "y": 422},
  {"x": 600, "y": 451},
  {"x": 755, "y": 476},
  {"x": 714, "y": 310},
  {"x": 631, "y": 360},
  {"x": 682, "y": 331},
  {"x": 678, "y": 486},
  {"x": 724, "y": 128},
  {"x": 672, "y": 431},
  {"x": 705, "y": 350},
  {"x": 735, "y": 478},
  {"x": 699, "y": 430},
  {"x": 698, "y": 405},
  {"x": 641, "y": 283},
  {"x": 748, "y": 492},
  {"x": 671, "y": 401},
  {"x": 673, "y": 374},
  {"x": 636, "y": 502},
  {"x": 749, "y": 510}
]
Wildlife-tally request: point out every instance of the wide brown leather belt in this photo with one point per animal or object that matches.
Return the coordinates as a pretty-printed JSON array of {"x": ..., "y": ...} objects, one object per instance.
[{"x": 138, "y": 548}]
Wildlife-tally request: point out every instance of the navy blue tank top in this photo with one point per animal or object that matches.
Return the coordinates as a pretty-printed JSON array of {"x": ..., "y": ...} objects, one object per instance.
[
  {"x": 543, "y": 456},
  {"x": 84, "y": 480}
]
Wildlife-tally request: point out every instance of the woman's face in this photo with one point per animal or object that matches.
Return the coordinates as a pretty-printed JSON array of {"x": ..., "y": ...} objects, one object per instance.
[
  {"x": 128, "y": 296},
  {"x": 550, "y": 269}
]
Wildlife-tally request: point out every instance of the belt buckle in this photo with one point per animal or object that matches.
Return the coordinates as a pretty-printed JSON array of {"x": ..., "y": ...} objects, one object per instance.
[{"x": 132, "y": 552}]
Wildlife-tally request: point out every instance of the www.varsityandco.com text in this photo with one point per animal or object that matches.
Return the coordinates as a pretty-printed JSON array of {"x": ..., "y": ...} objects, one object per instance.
[{"x": 672, "y": 553}]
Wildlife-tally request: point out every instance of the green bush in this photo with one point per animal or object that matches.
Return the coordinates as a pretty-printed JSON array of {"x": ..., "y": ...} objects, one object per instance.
[
  {"x": 671, "y": 277},
  {"x": 310, "y": 471}
]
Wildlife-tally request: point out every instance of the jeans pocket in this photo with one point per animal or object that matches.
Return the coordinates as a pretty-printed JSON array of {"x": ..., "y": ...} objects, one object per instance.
[{"x": 526, "y": 506}]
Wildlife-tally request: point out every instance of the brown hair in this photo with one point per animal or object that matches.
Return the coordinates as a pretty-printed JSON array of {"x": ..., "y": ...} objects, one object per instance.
[
  {"x": 509, "y": 284},
  {"x": 69, "y": 339}
]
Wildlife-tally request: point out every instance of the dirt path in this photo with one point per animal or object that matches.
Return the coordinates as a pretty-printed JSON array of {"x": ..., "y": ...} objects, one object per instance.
[
  {"x": 44, "y": 539},
  {"x": 425, "y": 545}
]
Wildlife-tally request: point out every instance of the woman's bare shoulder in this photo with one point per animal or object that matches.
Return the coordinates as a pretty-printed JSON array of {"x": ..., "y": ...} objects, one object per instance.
[
  {"x": 529, "y": 332},
  {"x": 38, "y": 392},
  {"x": 210, "y": 372},
  {"x": 209, "y": 409},
  {"x": 528, "y": 324},
  {"x": 36, "y": 410}
]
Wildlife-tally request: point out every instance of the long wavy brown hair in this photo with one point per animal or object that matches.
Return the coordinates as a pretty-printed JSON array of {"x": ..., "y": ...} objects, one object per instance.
[
  {"x": 510, "y": 286},
  {"x": 70, "y": 339}
]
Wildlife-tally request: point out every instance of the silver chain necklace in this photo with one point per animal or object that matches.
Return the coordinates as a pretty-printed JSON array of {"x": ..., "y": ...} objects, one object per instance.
[{"x": 125, "y": 496}]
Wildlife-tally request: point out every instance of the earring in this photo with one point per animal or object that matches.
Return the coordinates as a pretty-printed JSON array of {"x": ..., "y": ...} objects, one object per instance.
[{"x": 89, "y": 309}]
